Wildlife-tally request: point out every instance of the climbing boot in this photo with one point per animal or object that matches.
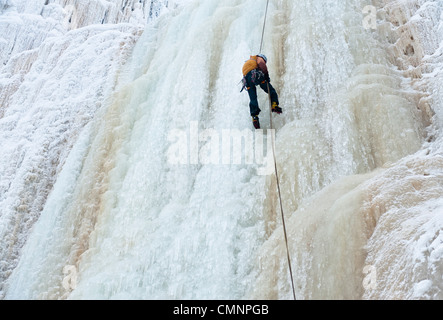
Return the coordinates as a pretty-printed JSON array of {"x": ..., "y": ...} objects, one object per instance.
[
  {"x": 276, "y": 108},
  {"x": 256, "y": 122}
]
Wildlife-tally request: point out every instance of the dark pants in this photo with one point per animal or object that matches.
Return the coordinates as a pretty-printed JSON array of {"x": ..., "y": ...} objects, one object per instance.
[{"x": 252, "y": 91}]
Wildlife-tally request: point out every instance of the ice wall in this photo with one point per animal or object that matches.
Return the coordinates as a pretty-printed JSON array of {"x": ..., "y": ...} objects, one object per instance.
[
  {"x": 406, "y": 248},
  {"x": 128, "y": 204},
  {"x": 55, "y": 73},
  {"x": 376, "y": 235},
  {"x": 357, "y": 148}
]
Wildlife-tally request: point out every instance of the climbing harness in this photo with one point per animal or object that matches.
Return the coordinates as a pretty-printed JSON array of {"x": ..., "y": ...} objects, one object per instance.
[
  {"x": 275, "y": 166},
  {"x": 257, "y": 77}
]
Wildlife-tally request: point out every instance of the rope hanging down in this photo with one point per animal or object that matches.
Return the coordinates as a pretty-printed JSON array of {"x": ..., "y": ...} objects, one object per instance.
[
  {"x": 275, "y": 165},
  {"x": 264, "y": 25},
  {"x": 279, "y": 196}
]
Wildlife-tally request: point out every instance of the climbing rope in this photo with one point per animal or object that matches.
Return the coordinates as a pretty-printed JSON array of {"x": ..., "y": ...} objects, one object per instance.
[
  {"x": 279, "y": 195},
  {"x": 264, "y": 25},
  {"x": 275, "y": 166}
]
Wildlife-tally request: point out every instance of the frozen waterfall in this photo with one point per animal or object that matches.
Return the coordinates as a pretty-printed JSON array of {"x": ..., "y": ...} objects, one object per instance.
[{"x": 94, "y": 206}]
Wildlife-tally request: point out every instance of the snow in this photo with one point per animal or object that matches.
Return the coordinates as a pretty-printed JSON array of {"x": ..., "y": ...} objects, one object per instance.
[
  {"x": 390, "y": 222},
  {"x": 52, "y": 81},
  {"x": 90, "y": 92},
  {"x": 406, "y": 247}
]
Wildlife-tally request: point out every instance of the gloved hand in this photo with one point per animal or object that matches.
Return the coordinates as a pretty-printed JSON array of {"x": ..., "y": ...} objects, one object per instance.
[{"x": 268, "y": 80}]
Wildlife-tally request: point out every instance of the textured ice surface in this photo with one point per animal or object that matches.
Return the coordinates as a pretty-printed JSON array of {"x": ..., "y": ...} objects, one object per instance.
[{"x": 87, "y": 139}]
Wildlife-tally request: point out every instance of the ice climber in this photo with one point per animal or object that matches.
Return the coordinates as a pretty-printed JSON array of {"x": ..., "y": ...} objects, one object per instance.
[{"x": 255, "y": 72}]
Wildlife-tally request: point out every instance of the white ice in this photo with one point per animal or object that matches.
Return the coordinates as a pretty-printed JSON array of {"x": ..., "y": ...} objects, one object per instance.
[{"x": 358, "y": 152}]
